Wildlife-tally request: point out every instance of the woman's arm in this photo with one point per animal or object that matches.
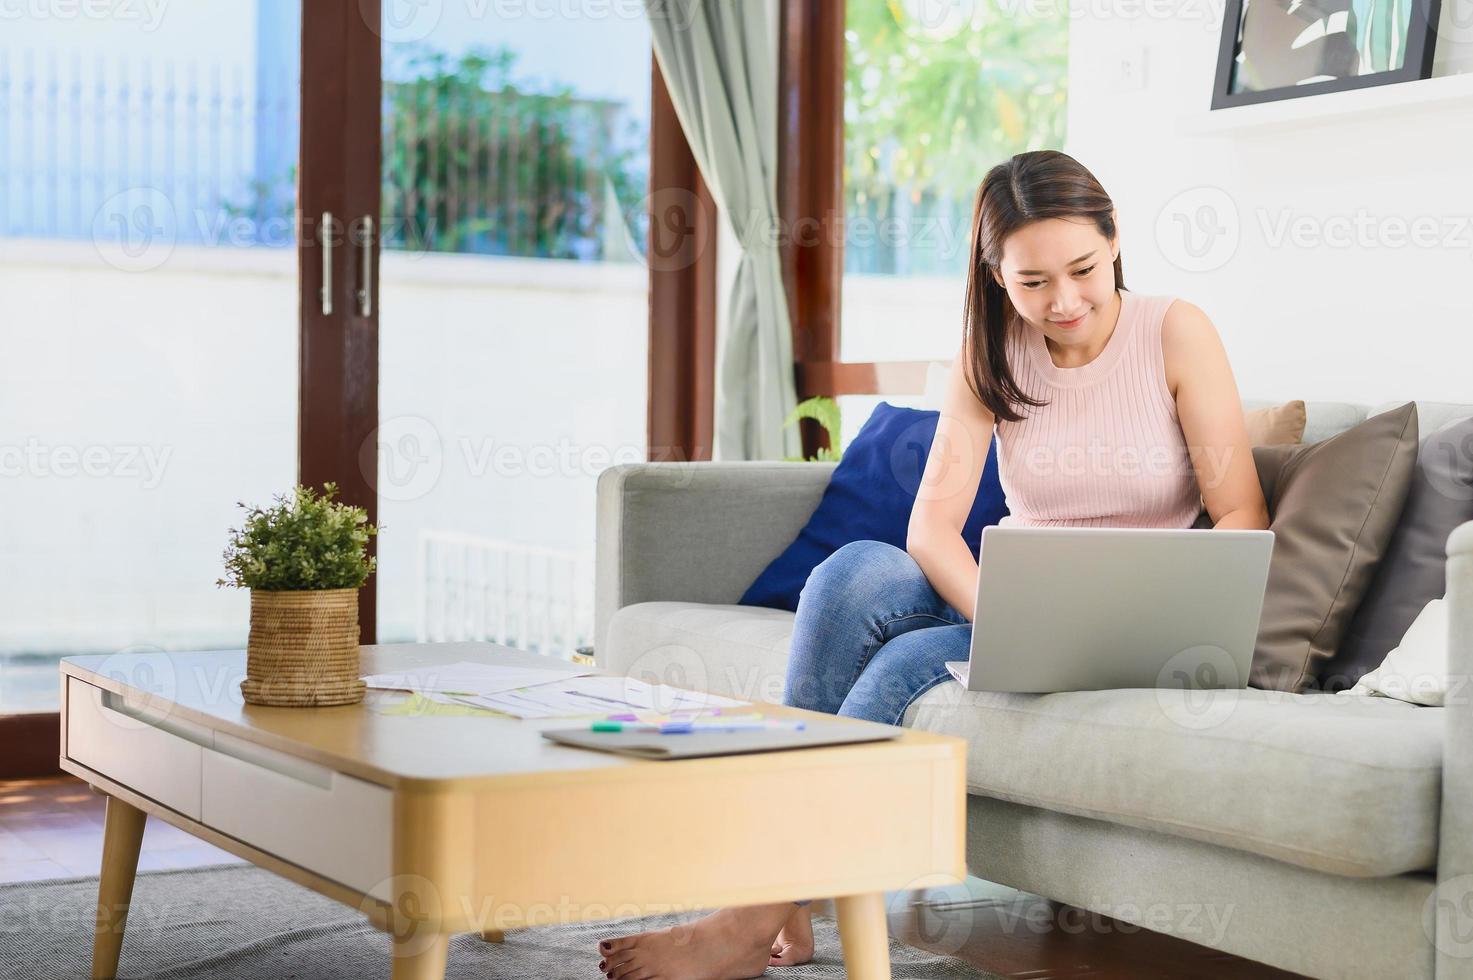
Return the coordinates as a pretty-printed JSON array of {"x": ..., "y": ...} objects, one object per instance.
[
  {"x": 1211, "y": 416},
  {"x": 947, "y": 491}
]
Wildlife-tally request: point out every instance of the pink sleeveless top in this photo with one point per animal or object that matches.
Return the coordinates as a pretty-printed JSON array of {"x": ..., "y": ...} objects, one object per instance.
[{"x": 1107, "y": 450}]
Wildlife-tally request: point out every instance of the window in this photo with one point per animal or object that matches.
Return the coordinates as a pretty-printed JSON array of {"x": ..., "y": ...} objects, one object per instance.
[
  {"x": 514, "y": 327},
  {"x": 147, "y": 173},
  {"x": 935, "y": 94}
]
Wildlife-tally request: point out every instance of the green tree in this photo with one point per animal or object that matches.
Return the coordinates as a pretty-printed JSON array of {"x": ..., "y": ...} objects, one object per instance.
[
  {"x": 928, "y": 112},
  {"x": 472, "y": 163}
]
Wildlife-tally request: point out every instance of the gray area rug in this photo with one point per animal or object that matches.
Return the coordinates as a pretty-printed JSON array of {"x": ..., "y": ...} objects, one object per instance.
[{"x": 240, "y": 922}]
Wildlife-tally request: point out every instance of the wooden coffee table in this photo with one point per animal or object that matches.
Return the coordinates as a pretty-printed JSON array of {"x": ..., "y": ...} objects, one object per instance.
[{"x": 432, "y": 825}]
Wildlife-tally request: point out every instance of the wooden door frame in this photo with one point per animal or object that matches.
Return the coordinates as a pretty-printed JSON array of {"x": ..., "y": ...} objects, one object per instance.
[
  {"x": 338, "y": 369},
  {"x": 681, "y": 256},
  {"x": 810, "y": 198},
  {"x": 31, "y": 741}
]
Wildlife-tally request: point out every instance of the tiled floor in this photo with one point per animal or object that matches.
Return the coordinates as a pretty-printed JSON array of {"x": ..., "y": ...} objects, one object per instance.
[{"x": 52, "y": 828}]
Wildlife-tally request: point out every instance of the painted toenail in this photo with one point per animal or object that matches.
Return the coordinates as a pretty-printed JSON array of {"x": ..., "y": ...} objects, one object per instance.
[
  {"x": 603, "y": 945},
  {"x": 602, "y": 964}
]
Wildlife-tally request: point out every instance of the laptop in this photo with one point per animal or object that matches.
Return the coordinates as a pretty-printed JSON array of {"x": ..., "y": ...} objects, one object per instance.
[{"x": 1094, "y": 608}]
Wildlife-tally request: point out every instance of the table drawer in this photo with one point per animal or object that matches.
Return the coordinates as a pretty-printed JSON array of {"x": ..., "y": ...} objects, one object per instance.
[
  {"x": 333, "y": 824},
  {"x": 142, "y": 748}
]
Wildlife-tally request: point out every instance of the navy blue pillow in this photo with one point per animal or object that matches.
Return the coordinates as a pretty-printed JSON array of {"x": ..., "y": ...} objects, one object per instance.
[{"x": 869, "y": 498}]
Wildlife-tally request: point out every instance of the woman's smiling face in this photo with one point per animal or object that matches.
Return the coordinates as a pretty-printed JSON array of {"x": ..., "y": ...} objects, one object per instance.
[{"x": 1059, "y": 274}]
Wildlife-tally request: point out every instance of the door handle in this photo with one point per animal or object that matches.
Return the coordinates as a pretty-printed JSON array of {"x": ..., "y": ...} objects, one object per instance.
[
  {"x": 326, "y": 263},
  {"x": 364, "y": 242}
]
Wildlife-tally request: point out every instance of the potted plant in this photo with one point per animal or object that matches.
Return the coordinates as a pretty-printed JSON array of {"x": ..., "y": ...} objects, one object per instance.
[
  {"x": 825, "y": 411},
  {"x": 304, "y": 560}
]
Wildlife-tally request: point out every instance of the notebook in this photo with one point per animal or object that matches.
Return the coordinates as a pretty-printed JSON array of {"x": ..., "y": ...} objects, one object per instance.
[{"x": 650, "y": 745}]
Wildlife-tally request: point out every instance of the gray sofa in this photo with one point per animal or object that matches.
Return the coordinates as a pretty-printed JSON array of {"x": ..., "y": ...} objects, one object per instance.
[{"x": 1309, "y": 832}]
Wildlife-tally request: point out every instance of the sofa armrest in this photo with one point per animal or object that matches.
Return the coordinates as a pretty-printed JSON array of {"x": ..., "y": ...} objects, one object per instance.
[
  {"x": 694, "y": 531},
  {"x": 1454, "y": 898}
]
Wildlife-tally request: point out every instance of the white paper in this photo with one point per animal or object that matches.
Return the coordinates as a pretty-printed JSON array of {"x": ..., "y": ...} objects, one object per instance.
[
  {"x": 438, "y": 698},
  {"x": 597, "y": 696},
  {"x": 469, "y": 677}
]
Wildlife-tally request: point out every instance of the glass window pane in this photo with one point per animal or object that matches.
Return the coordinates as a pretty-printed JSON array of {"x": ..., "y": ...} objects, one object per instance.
[
  {"x": 513, "y": 338},
  {"x": 149, "y": 325},
  {"x": 935, "y": 94}
]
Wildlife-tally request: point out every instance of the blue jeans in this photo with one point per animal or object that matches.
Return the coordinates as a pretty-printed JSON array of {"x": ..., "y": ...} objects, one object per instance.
[{"x": 871, "y": 635}]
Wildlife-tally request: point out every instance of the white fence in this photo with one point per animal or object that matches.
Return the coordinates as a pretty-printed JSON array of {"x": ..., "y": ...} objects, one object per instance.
[{"x": 474, "y": 588}]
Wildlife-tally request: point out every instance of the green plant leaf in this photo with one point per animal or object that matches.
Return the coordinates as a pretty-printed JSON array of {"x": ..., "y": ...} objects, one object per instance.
[
  {"x": 825, "y": 411},
  {"x": 304, "y": 541}
]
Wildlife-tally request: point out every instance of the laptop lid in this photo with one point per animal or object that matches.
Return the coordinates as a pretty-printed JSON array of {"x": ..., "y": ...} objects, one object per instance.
[{"x": 1080, "y": 609}]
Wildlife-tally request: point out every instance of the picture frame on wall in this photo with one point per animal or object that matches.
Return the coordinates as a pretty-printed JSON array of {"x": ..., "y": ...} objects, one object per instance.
[{"x": 1289, "y": 49}]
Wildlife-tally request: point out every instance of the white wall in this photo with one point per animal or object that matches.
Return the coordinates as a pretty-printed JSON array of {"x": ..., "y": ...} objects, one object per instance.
[{"x": 1383, "y": 320}]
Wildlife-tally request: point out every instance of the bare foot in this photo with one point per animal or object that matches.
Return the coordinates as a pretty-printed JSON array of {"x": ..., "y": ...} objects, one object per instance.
[
  {"x": 794, "y": 945},
  {"x": 728, "y": 944}
]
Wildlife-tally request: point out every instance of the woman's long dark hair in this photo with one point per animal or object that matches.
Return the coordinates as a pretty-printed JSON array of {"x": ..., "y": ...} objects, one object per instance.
[{"x": 1029, "y": 187}]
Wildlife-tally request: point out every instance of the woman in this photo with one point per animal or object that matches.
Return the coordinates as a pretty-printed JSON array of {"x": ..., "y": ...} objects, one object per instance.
[{"x": 1132, "y": 420}]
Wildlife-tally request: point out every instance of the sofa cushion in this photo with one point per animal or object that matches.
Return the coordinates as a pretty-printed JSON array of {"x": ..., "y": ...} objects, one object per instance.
[
  {"x": 1414, "y": 570},
  {"x": 1348, "y": 785},
  {"x": 869, "y": 498},
  {"x": 1333, "y": 506},
  {"x": 1238, "y": 768},
  {"x": 734, "y": 650},
  {"x": 1276, "y": 425},
  {"x": 1321, "y": 419}
]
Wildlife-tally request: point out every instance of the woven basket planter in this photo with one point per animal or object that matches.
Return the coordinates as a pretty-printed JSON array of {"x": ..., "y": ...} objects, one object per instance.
[{"x": 303, "y": 649}]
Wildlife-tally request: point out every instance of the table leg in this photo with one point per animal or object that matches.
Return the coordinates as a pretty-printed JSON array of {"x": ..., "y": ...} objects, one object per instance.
[
  {"x": 419, "y": 957},
  {"x": 122, "y": 837},
  {"x": 865, "y": 936}
]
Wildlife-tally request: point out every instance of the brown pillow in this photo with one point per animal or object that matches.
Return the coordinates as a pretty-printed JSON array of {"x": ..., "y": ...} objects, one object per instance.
[
  {"x": 1281, "y": 425},
  {"x": 1333, "y": 506}
]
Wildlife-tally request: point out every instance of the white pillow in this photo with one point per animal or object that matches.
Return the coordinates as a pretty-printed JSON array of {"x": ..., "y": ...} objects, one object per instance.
[
  {"x": 1416, "y": 670},
  {"x": 937, "y": 374}
]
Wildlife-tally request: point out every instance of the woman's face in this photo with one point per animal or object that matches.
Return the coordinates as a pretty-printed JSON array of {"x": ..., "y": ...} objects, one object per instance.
[{"x": 1060, "y": 275}]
